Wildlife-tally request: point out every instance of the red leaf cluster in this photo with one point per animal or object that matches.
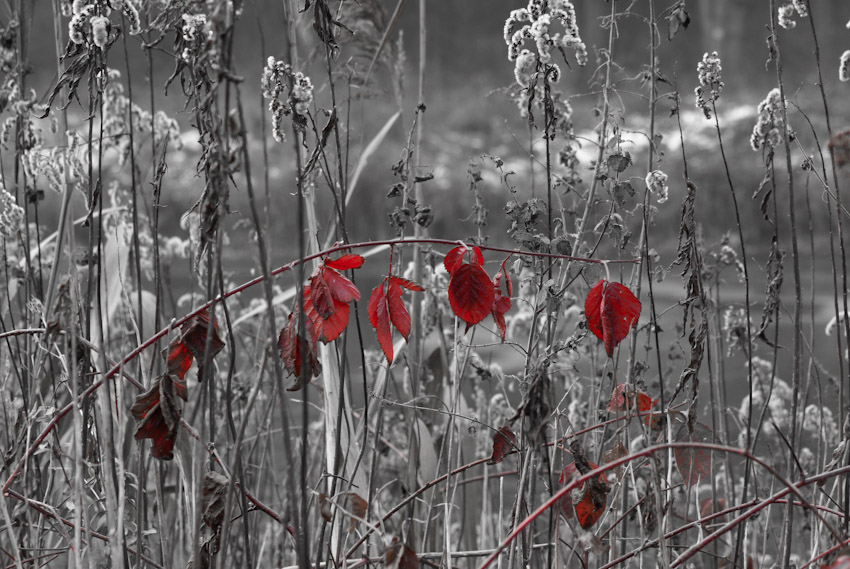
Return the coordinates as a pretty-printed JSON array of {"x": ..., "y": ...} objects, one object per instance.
[
  {"x": 386, "y": 307},
  {"x": 611, "y": 310},
  {"x": 593, "y": 502},
  {"x": 503, "y": 442},
  {"x": 326, "y": 302},
  {"x": 157, "y": 410}
]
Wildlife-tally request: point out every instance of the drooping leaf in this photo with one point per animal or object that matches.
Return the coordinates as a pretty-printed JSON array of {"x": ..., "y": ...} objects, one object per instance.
[
  {"x": 399, "y": 556},
  {"x": 501, "y": 304},
  {"x": 159, "y": 417},
  {"x": 397, "y": 310},
  {"x": 345, "y": 262},
  {"x": 193, "y": 333},
  {"x": 694, "y": 464},
  {"x": 341, "y": 288},
  {"x": 611, "y": 310},
  {"x": 213, "y": 494},
  {"x": 627, "y": 397},
  {"x": 379, "y": 318},
  {"x": 357, "y": 506},
  {"x": 503, "y": 442},
  {"x": 179, "y": 359},
  {"x": 291, "y": 345},
  {"x": 319, "y": 295},
  {"x": 592, "y": 504},
  {"x": 454, "y": 258},
  {"x": 386, "y": 307},
  {"x": 471, "y": 293}
]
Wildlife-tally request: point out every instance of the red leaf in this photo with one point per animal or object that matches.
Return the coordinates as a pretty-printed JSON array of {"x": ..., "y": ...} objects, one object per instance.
[
  {"x": 193, "y": 333},
  {"x": 454, "y": 258},
  {"x": 409, "y": 285},
  {"x": 319, "y": 294},
  {"x": 477, "y": 257},
  {"x": 399, "y": 556},
  {"x": 471, "y": 293},
  {"x": 396, "y": 308},
  {"x": 379, "y": 317},
  {"x": 611, "y": 310},
  {"x": 592, "y": 505},
  {"x": 158, "y": 421},
  {"x": 591, "y": 508},
  {"x": 694, "y": 464},
  {"x": 842, "y": 562},
  {"x": 345, "y": 262},
  {"x": 291, "y": 344},
  {"x": 179, "y": 359},
  {"x": 341, "y": 288},
  {"x": 503, "y": 442},
  {"x": 501, "y": 304}
]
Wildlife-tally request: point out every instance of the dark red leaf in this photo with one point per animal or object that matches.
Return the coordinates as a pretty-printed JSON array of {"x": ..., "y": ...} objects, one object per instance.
[
  {"x": 591, "y": 508},
  {"x": 409, "y": 285},
  {"x": 471, "y": 293},
  {"x": 396, "y": 308},
  {"x": 842, "y": 562},
  {"x": 379, "y": 317},
  {"x": 399, "y": 556},
  {"x": 319, "y": 295},
  {"x": 345, "y": 262},
  {"x": 454, "y": 258},
  {"x": 501, "y": 304},
  {"x": 503, "y": 442},
  {"x": 694, "y": 464},
  {"x": 193, "y": 333},
  {"x": 145, "y": 402},
  {"x": 477, "y": 257},
  {"x": 291, "y": 344},
  {"x": 341, "y": 288},
  {"x": 592, "y": 505},
  {"x": 159, "y": 422},
  {"x": 611, "y": 310}
]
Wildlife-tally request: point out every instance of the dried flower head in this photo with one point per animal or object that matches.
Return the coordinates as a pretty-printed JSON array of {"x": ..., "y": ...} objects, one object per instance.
[
  {"x": 537, "y": 23},
  {"x": 656, "y": 182},
  {"x": 710, "y": 83},
  {"x": 11, "y": 214},
  {"x": 770, "y": 127},
  {"x": 844, "y": 66},
  {"x": 275, "y": 75},
  {"x": 785, "y": 16},
  {"x": 100, "y": 31}
]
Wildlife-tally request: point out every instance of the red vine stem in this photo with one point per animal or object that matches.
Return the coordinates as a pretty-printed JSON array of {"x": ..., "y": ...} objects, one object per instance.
[
  {"x": 244, "y": 286},
  {"x": 647, "y": 452}
]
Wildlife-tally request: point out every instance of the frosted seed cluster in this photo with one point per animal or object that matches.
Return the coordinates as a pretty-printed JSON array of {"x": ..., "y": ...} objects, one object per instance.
[
  {"x": 535, "y": 23},
  {"x": 710, "y": 83}
]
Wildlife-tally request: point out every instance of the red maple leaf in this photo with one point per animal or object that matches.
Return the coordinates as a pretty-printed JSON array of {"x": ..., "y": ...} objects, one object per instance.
[
  {"x": 386, "y": 307},
  {"x": 611, "y": 310}
]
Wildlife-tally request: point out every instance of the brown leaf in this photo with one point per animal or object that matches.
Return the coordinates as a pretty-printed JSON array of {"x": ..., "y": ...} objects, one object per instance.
[
  {"x": 399, "y": 556},
  {"x": 214, "y": 492}
]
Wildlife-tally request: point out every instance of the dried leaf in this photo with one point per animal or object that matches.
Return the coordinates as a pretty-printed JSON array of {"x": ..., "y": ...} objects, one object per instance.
[
  {"x": 694, "y": 464},
  {"x": 503, "y": 442}
]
